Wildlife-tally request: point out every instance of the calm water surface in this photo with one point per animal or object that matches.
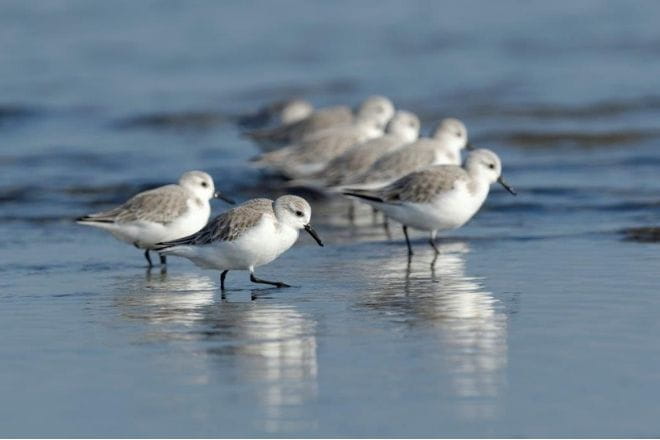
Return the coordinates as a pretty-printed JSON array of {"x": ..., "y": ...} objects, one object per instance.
[{"x": 537, "y": 319}]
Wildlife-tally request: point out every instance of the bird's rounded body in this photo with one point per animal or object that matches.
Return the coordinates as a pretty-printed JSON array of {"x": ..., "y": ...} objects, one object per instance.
[
  {"x": 162, "y": 214},
  {"x": 258, "y": 246},
  {"x": 251, "y": 235}
]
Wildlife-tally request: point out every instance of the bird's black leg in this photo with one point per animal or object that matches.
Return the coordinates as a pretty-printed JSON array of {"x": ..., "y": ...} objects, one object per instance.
[
  {"x": 148, "y": 257},
  {"x": 432, "y": 243},
  {"x": 405, "y": 232},
  {"x": 277, "y": 284},
  {"x": 223, "y": 275},
  {"x": 163, "y": 259}
]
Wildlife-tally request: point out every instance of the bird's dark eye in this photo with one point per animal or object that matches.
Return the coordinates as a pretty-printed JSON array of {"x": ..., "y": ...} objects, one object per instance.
[
  {"x": 491, "y": 166},
  {"x": 299, "y": 213},
  {"x": 204, "y": 184},
  {"x": 459, "y": 134}
]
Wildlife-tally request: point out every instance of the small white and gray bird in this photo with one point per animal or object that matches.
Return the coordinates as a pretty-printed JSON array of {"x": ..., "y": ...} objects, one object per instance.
[
  {"x": 443, "y": 148},
  {"x": 161, "y": 214},
  {"x": 438, "y": 198},
  {"x": 248, "y": 236},
  {"x": 313, "y": 152},
  {"x": 318, "y": 120},
  {"x": 402, "y": 129}
]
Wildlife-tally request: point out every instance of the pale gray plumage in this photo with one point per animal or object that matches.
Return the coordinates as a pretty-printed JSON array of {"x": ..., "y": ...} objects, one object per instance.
[
  {"x": 319, "y": 120},
  {"x": 422, "y": 186},
  {"x": 159, "y": 205},
  {"x": 229, "y": 225},
  {"x": 398, "y": 163}
]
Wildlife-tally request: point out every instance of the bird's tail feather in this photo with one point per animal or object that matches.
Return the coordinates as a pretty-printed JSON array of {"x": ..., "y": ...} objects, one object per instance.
[{"x": 362, "y": 194}]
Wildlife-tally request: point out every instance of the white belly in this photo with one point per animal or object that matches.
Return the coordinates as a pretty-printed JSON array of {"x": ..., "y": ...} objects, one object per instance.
[
  {"x": 449, "y": 211},
  {"x": 146, "y": 234},
  {"x": 259, "y": 246}
]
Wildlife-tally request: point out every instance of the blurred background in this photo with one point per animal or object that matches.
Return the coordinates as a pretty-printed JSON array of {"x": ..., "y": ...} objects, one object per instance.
[{"x": 540, "y": 320}]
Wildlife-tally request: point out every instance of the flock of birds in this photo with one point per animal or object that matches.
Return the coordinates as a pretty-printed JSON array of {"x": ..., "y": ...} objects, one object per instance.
[{"x": 373, "y": 155}]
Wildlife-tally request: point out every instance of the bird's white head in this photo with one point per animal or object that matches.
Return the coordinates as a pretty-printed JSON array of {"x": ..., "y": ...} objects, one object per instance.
[
  {"x": 404, "y": 125},
  {"x": 453, "y": 134},
  {"x": 483, "y": 163},
  {"x": 376, "y": 109},
  {"x": 295, "y": 212},
  {"x": 201, "y": 185},
  {"x": 295, "y": 110}
]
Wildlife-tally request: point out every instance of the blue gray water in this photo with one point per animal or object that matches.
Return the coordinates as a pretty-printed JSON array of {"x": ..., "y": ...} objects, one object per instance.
[{"x": 538, "y": 319}]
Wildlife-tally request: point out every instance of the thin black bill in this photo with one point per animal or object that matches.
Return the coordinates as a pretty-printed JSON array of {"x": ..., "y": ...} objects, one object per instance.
[
  {"x": 313, "y": 233},
  {"x": 219, "y": 195},
  {"x": 506, "y": 186}
]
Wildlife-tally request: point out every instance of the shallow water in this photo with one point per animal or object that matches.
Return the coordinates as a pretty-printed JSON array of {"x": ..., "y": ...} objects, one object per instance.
[{"x": 538, "y": 318}]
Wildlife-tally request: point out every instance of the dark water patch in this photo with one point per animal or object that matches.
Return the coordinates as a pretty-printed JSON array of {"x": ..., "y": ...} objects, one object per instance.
[
  {"x": 11, "y": 114},
  {"x": 415, "y": 44},
  {"x": 572, "y": 207},
  {"x": 184, "y": 120},
  {"x": 645, "y": 234},
  {"x": 110, "y": 190},
  {"x": 551, "y": 191},
  {"x": 75, "y": 295},
  {"x": 434, "y": 107},
  {"x": 529, "y": 139},
  {"x": 18, "y": 194},
  {"x": 336, "y": 86},
  {"x": 584, "y": 111},
  {"x": 65, "y": 156},
  {"x": 36, "y": 220}
]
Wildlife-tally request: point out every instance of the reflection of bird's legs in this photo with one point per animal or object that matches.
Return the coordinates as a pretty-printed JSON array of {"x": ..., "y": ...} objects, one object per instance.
[
  {"x": 374, "y": 216},
  {"x": 148, "y": 257},
  {"x": 410, "y": 251},
  {"x": 351, "y": 212},
  {"x": 386, "y": 227},
  {"x": 277, "y": 284},
  {"x": 163, "y": 259}
]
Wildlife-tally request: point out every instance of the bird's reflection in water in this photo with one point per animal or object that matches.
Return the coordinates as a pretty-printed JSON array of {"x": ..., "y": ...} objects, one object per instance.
[
  {"x": 471, "y": 325},
  {"x": 268, "y": 349},
  {"x": 276, "y": 346},
  {"x": 159, "y": 297}
]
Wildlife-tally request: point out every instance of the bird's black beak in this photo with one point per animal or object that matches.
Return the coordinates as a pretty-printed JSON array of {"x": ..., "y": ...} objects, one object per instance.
[
  {"x": 313, "y": 233},
  {"x": 219, "y": 195},
  {"x": 470, "y": 147},
  {"x": 506, "y": 186}
]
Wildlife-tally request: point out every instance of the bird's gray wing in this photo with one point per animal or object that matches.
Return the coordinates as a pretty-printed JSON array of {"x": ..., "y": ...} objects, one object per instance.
[
  {"x": 229, "y": 225},
  {"x": 398, "y": 163},
  {"x": 159, "y": 205},
  {"x": 423, "y": 186}
]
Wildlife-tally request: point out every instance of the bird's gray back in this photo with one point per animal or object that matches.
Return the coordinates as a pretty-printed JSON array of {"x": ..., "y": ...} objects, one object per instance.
[
  {"x": 423, "y": 186},
  {"x": 160, "y": 205},
  {"x": 230, "y": 225}
]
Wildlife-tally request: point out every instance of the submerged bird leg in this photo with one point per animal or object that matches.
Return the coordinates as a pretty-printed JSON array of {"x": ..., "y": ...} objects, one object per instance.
[
  {"x": 163, "y": 259},
  {"x": 277, "y": 284},
  {"x": 405, "y": 232},
  {"x": 148, "y": 257},
  {"x": 223, "y": 275}
]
